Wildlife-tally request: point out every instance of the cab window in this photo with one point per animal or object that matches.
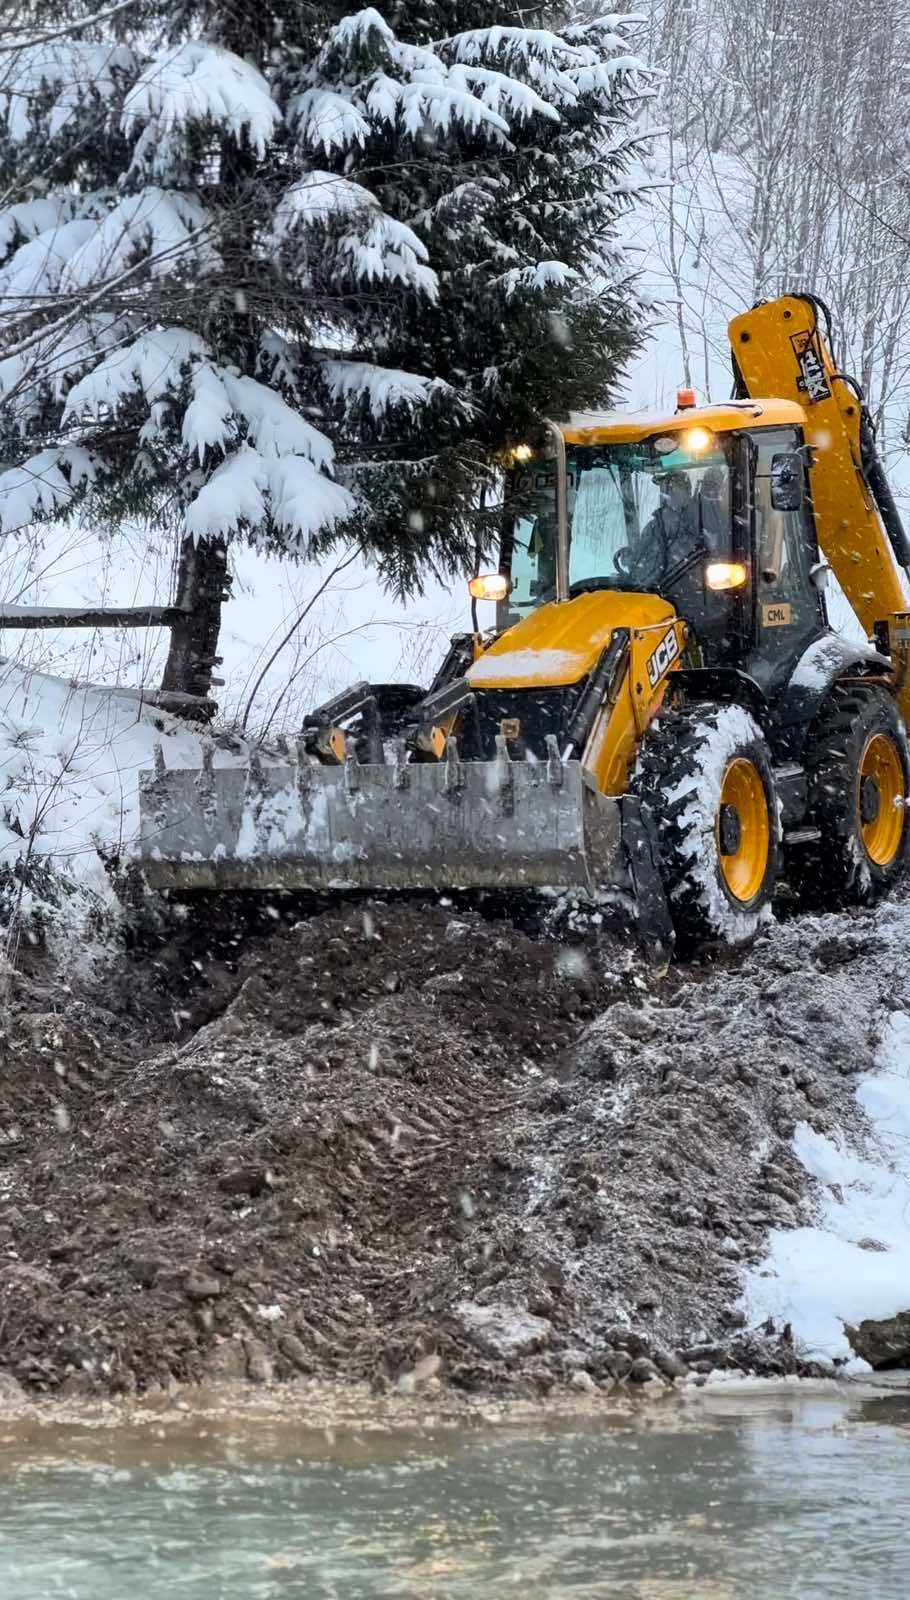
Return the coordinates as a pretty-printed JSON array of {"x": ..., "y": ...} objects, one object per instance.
[
  {"x": 788, "y": 606},
  {"x": 532, "y": 535}
]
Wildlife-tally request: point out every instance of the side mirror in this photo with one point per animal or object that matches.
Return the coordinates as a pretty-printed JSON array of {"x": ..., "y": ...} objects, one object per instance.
[{"x": 786, "y": 481}]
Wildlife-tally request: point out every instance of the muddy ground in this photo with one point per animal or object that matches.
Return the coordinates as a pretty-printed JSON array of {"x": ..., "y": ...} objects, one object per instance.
[{"x": 413, "y": 1146}]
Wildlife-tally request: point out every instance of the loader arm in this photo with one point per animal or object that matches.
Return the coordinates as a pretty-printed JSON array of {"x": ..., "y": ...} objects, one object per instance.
[{"x": 778, "y": 348}]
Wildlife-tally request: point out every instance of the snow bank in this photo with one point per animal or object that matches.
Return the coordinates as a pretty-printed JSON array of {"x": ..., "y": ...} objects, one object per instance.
[
  {"x": 854, "y": 1263},
  {"x": 70, "y": 759}
]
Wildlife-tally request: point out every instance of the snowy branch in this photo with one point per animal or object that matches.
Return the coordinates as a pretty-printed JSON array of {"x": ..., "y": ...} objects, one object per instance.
[
  {"x": 225, "y": 261},
  {"x": 10, "y": 44}
]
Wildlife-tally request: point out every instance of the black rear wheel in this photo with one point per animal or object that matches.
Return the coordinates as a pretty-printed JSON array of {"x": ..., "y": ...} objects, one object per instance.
[
  {"x": 705, "y": 774},
  {"x": 858, "y": 772}
]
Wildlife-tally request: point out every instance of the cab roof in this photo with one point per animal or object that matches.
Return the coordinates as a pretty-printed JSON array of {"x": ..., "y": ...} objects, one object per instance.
[{"x": 629, "y": 427}]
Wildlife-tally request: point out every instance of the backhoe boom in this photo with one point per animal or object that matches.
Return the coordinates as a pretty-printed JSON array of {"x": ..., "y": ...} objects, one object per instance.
[{"x": 778, "y": 348}]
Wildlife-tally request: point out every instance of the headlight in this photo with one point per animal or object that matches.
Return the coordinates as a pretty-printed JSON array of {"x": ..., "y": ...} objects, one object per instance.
[
  {"x": 490, "y": 586},
  {"x": 697, "y": 440},
  {"x": 726, "y": 575}
]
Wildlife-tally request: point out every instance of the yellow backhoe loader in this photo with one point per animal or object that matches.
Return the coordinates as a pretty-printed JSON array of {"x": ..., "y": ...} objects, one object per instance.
[{"x": 662, "y": 708}]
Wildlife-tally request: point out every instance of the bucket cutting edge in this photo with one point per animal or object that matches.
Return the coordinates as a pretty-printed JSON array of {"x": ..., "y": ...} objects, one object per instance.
[{"x": 433, "y": 825}]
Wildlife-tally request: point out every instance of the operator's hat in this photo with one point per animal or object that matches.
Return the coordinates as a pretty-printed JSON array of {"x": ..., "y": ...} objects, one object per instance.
[{"x": 673, "y": 475}]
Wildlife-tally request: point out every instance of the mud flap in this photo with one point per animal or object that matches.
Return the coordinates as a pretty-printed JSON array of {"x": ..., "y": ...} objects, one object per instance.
[{"x": 639, "y": 837}]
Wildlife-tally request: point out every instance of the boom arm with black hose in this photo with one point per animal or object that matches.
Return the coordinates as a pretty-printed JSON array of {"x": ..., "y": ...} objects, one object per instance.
[
  {"x": 881, "y": 488},
  {"x": 818, "y": 374},
  {"x": 779, "y": 349}
]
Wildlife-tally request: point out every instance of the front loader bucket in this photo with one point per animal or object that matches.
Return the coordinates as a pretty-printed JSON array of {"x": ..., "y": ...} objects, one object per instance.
[{"x": 433, "y": 825}]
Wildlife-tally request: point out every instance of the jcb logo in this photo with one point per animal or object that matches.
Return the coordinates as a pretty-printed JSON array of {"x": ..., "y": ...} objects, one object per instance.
[
  {"x": 813, "y": 380},
  {"x": 663, "y": 657}
]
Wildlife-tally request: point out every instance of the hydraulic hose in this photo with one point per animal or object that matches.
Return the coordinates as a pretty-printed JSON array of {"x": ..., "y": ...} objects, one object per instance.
[{"x": 881, "y": 489}]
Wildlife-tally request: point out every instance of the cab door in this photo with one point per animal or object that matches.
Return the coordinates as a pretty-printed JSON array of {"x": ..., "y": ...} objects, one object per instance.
[{"x": 789, "y": 610}]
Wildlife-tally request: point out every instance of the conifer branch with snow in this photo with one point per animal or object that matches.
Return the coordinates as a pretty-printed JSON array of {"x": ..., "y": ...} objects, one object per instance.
[{"x": 296, "y": 278}]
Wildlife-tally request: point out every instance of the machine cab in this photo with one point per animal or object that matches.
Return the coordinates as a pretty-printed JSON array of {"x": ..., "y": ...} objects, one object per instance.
[{"x": 709, "y": 509}]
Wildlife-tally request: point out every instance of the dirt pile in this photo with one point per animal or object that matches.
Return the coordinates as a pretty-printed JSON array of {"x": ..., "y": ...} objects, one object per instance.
[{"x": 415, "y": 1146}]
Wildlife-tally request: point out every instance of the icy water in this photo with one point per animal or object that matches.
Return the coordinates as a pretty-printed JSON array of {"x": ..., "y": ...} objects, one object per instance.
[{"x": 739, "y": 1497}]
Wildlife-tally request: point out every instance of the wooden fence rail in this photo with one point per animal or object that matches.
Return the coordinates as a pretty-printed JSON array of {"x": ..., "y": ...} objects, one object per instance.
[
  {"x": 91, "y": 616},
  {"x": 203, "y": 584}
]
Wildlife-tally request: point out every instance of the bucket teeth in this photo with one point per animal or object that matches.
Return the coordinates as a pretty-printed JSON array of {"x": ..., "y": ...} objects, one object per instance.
[
  {"x": 400, "y": 777},
  {"x": 555, "y": 773},
  {"x": 207, "y": 753},
  {"x": 254, "y": 793},
  {"x": 454, "y": 780},
  {"x": 255, "y": 778},
  {"x": 303, "y": 776},
  {"x": 505, "y": 777},
  {"x": 205, "y": 784},
  {"x": 156, "y": 790}
]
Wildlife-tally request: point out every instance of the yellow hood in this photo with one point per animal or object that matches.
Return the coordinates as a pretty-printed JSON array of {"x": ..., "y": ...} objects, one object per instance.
[{"x": 559, "y": 644}]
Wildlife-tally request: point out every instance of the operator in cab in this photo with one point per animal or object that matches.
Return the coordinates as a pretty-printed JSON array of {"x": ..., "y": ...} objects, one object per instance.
[
  {"x": 670, "y": 534},
  {"x": 685, "y": 523},
  {"x": 635, "y": 521}
]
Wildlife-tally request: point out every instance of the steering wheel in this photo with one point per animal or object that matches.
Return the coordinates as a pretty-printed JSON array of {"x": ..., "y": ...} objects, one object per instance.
[
  {"x": 647, "y": 565},
  {"x": 635, "y": 569}
]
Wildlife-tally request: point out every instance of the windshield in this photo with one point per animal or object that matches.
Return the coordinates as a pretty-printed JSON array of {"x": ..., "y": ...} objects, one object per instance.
[{"x": 639, "y": 516}]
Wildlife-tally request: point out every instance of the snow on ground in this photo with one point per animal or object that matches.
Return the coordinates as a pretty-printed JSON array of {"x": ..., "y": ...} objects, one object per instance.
[
  {"x": 70, "y": 760},
  {"x": 854, "y": 1263}
]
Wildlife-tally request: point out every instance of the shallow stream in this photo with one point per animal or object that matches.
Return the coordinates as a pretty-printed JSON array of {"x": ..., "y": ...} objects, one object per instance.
[{"x": 760, "y": 1496}]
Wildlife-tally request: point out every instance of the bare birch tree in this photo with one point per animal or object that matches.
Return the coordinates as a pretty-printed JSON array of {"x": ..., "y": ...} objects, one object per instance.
[{"x": 789, "y": 170}]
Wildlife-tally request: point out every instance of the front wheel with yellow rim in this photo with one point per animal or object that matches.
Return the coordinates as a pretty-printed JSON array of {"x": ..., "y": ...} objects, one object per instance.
[
  {"x": 705, "y": 774},
  {"x": 858, "y": 775}
]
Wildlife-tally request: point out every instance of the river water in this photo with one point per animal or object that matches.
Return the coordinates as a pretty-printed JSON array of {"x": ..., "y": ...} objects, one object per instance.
[{"x": 762, "y": 1498}]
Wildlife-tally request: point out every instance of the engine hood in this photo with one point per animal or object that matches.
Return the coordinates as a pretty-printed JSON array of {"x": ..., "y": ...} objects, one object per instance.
[{"x": 559, "y": 644}]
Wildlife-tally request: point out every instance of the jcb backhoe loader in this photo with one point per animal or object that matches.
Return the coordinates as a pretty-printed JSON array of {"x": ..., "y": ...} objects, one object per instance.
[{"x": 662, "y": 707}]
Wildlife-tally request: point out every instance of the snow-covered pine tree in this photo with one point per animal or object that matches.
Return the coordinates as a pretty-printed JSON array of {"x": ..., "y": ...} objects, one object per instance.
[
  {"x": 536, "y": 311},
  {"x": 280, "y": 271}
]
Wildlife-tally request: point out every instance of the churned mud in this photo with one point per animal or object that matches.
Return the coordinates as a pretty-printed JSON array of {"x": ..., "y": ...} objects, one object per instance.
[{"x": 408, "y": 1147}]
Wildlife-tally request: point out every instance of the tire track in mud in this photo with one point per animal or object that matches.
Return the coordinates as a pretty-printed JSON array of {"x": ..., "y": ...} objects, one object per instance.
[{"x": 414, "y": 1140}]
